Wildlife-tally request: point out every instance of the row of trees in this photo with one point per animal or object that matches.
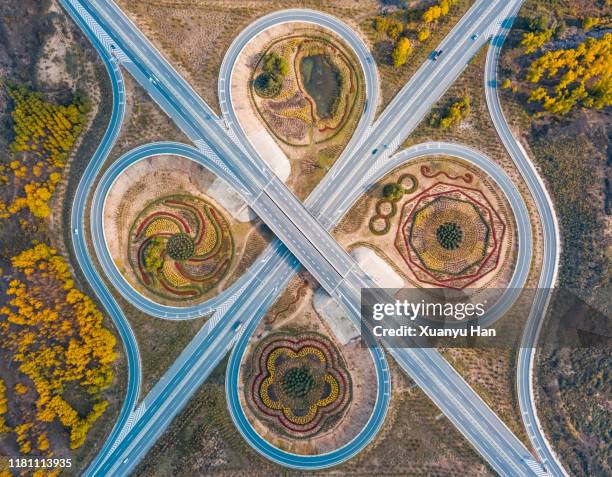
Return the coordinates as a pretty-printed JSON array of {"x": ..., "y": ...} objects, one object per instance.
[
  {"x": 55, "y": 335},
  {"x": 437, "y": 11},
  {"x": 45, "y": 134}
]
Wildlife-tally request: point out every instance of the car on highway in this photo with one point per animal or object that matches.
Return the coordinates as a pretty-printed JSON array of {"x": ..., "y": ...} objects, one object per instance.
[
  {"x": 236, "y": 326},
  {"x": 475, "y": 36},
  {"x": 374, "y": 151},
  {"x": 435, "y": 54}
]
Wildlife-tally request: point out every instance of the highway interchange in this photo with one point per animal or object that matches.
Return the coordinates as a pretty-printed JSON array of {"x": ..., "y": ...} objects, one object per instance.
[{"x": 118, "y": 40}]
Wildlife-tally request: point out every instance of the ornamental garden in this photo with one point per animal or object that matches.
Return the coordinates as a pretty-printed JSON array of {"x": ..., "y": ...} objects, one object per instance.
[
  {"x": 180, "y": 246},
  {"x": 298, "y": 384},
  {"x": 438, "y": 223},
  {"x": 306, "y": 91},
  {"x": 178, "y": 234},
  {"x": 304, "y": 383},
  {"x": 304, "y": 88}
]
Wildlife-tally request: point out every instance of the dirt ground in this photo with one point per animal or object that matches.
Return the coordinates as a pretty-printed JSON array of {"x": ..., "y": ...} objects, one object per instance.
[{"x": 195, "y": 34}]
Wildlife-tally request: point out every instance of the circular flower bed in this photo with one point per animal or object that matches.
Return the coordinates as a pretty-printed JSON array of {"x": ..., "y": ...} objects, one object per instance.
[
  {"x": 298, "y": 384},
  {"x": 450, "y": 236},
  {"x": 180, "y": 247}
]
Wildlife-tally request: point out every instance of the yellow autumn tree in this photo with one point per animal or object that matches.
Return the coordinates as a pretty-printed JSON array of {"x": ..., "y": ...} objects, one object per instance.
[
  {"x": 580, "y": 75},
  {"x": 55, "y": 335}
]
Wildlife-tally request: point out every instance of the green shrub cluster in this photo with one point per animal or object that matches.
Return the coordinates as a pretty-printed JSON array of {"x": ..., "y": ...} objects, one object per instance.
[{"x": 269, "y": 83}]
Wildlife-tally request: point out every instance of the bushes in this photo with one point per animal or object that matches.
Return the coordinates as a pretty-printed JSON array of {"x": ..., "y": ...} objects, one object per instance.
[
  {"x": 423, "y": 34},
  {"x": 393, "y": 191},
  {"x": 388, "y": 26},
  {"x": 180, "y": 247},
  {"x": 298, "y": 382},
  {"x": 269, "y": 83},
  {"x": 454, "y": 115},
  {"x": 449, "y": 235},
  {"x": 153, "y": 254}
]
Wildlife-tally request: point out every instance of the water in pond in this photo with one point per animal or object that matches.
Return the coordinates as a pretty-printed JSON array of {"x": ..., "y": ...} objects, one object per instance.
[{"x": 322, "y": 82}]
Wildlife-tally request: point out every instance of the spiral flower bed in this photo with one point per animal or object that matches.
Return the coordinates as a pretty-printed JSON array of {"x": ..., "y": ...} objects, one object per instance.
[
  {"x": 180, "y": 247},
  {"x": 298, "y": 384},
  {"x": 450, "y": 236}
]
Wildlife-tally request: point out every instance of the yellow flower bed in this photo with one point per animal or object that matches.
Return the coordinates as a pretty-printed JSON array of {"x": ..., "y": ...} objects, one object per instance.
[{"x": 161, "y": 225}]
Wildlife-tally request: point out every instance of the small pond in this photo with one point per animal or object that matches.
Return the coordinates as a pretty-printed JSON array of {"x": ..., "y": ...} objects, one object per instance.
[{"x": 322, "y": 81}]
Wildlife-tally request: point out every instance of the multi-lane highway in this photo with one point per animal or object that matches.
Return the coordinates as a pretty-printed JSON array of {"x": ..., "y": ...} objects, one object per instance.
[
  {"x": 278, "y": 207},
  {"x": 247, "y": 306}
]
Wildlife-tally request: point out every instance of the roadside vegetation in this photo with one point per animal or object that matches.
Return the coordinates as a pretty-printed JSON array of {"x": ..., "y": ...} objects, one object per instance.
[
  {"x": 403, "y": 37},
  {"x": 451, "y": 116},
  {"x": 556, "y": 87},
  {"x": 59, "y": 359},
  {"x": 44, "y": 135}
]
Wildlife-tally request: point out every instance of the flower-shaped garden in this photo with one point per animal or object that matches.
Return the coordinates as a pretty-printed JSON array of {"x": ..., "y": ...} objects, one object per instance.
[
  {"x": 180, "y": 247},
  {"x": 450, "y": 236},
  {"x": 298, "y": 384}
]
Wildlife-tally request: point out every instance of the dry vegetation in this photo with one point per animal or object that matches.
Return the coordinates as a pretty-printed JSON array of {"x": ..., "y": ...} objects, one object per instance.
[
  {"x": 393, "y": 77},
  {"x": 160, "y": 341},
  {"x": 416, "y": 440},
  {"x": 572, "y": 153}
]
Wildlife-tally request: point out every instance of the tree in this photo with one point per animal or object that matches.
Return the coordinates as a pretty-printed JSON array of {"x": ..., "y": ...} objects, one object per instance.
[
  {"x": 579, "y": 75},
  {"x": 275, "y": 65},
  {"x": 590, "y": 22},
  {"x": 393, "y": 191},
  {"x": 456, "y": 113},
  {"x": 432, "y": 14},
  {"x": 400, "y": 53},
  {"x": 54, "y": 334},
  {"x": 423, "y": 34},
  {"x": 533, "y": 41},
  {"x": 270, "y": 82},
  {"x": 435, "y": 12},
  {"x": 389, "y": 26}
]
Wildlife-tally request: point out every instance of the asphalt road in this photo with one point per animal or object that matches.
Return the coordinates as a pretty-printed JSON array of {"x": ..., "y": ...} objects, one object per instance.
[
  {"x": 77, "y": 225},
  {"x": 250, "y": 304},
  {"x": 278, "y": 207},
  {"x": 550, "y": 260}
]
